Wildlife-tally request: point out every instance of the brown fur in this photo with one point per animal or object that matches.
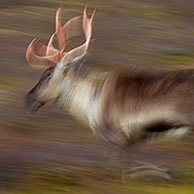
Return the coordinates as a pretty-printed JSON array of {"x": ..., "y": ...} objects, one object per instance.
[{"x": 151, "y": 101}]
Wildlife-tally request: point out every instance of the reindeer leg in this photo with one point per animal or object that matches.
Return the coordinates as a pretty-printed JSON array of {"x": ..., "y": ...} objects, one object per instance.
[
  {"x": 146, "y": 171},
  {"x": 142, "y": 169}
]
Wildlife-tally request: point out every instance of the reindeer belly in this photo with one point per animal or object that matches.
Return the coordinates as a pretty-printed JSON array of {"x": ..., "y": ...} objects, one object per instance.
[
  {"x": 124, "y": 128},
  {"x": 162, "y": 121}
]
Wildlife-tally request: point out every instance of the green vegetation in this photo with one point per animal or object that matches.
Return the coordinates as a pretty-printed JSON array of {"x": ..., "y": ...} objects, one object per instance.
[{"x": 71, "y": 179}]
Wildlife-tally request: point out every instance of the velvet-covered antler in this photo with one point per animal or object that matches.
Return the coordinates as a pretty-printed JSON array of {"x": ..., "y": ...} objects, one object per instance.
[
  {"x": 87, "y": 27},
  {"x": 40, "y": 56}
]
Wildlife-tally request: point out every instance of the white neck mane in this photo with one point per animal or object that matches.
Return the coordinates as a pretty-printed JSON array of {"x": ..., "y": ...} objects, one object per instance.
[{"x": 78, "y": 91}]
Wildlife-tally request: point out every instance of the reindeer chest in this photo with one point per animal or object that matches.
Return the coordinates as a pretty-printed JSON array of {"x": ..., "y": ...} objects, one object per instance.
[{"x": 77, "y": 98}]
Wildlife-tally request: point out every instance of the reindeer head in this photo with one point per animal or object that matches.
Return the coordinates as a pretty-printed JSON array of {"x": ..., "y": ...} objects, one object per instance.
[{"x": 55, "y": 61}]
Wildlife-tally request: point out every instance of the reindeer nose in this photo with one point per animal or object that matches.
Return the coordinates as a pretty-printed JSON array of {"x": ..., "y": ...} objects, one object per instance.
[{"x": 31, "y": 104}]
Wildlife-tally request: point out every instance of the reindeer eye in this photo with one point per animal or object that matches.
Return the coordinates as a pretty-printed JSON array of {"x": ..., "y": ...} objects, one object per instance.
[{"x": 48, "y": 75}]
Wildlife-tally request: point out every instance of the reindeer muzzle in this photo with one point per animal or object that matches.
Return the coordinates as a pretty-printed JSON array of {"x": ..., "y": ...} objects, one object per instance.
[{"x": 31, "y": 103}]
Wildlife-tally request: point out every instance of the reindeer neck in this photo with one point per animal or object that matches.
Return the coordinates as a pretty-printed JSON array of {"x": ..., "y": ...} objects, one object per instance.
[{"x": 78, "y": 90}]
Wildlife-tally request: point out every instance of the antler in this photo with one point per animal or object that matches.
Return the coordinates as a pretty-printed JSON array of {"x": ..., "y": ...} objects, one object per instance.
[
  {"x": 40, "y": 56},
  {"x": 42, "y": 60},
  {"x": 82, "y": 49}
]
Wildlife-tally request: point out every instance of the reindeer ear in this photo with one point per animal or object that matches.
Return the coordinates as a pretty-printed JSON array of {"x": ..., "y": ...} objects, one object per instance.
[
  {"x": 78, "y": 61},
  {"x": 68, "y": 60}
]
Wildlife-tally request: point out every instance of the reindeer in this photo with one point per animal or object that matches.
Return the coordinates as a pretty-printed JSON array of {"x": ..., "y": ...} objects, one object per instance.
[{"x": 123, "y": 107}]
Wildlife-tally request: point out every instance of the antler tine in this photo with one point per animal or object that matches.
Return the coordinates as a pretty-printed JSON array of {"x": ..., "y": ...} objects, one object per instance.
[
  {"x": 87, "y": 24},
  {"x": 59, "y": 31},
  {"x": 40, "y": 48},
  {"x": 50, "y": 48}
]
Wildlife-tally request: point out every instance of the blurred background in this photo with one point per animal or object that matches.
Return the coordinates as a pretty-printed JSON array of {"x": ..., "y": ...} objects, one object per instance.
[{"x": 50, "y": 152}]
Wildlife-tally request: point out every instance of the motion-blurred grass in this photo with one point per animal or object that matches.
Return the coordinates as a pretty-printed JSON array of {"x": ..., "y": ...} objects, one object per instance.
[
  {"x": 50, "y": 152},
  {"x": 71, "y": 179}
]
